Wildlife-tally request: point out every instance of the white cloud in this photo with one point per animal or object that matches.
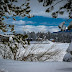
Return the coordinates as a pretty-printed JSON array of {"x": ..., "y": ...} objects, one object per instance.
[
  {"x": 30, "y": 22},
  {"x": 40, "y": 28},
  {"x": 23, "y": 22},
  {"x": 19, "y": 22}
]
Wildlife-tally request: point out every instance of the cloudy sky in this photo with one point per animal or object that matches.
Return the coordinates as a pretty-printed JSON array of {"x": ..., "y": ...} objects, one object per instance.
[{"x": 41, "y": 22}]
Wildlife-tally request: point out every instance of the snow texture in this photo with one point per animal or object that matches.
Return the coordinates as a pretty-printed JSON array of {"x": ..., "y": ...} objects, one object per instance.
[
  {"x": 21, "y": 66},
  {"x": 69, "y": 48},
  {"x": 68, "y": 55}
]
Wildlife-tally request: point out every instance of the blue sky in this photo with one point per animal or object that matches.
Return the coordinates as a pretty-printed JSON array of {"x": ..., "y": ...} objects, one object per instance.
[
  {"x": 36, "y": 24},
  {"x": 42, "y": 22}
]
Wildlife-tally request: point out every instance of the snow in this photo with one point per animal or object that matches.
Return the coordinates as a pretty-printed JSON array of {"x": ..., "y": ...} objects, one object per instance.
[
  {"x": 45, "y": 51},
  {"x": 70, "y": 47},
  {"x": 21, "y": 66},
  {"x": 68, "y": 57},
  {"x": 58, "y": 49},
  {"x": 10, "y": 38},
  {"x": 5, "y": 50},
  {"x": 51, "y": 61}
]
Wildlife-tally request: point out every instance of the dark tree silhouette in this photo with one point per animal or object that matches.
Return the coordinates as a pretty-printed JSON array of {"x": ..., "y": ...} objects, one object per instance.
[
  {"x": 67, "y": 6},
  {"x": 7, "y": 7}
]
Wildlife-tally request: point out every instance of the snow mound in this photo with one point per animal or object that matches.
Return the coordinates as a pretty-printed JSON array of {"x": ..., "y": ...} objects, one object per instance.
[{"x": 67, "y": 57}]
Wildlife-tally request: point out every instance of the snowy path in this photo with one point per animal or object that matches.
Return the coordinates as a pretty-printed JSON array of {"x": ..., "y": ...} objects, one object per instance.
[{"x": 20, "y": 66}]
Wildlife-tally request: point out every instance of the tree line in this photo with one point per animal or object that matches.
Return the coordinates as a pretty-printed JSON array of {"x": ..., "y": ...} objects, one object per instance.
[{"x": 64, "y": 37}]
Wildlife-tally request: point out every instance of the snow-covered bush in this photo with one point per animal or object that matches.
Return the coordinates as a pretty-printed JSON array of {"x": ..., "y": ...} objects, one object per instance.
[
  {"x": 10, "y": 49},
  {"x": 5, "y": 52},
  {"x": 34, "y": 54},
  {"x": 67, "y": 57}
]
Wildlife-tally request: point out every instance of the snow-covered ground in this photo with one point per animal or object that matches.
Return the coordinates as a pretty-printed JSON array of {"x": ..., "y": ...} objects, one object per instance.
[
  {"x": 53, "y": 51},
  {"x": 21, "y": 66},
  {"x": 39, "y": 51},
  {"x": 50, "y": 52}
]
